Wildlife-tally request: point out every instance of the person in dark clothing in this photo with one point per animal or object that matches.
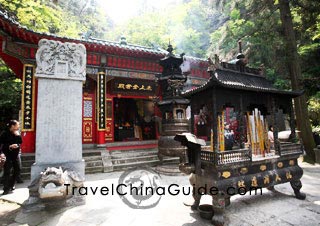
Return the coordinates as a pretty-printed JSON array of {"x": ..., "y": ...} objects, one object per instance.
[
  {"x": 11, "y": 140},
  {"x": 19, "y": 179}
]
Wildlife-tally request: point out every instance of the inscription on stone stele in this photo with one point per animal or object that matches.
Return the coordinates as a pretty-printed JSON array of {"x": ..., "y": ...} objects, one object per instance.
[{"x": 61, "y": 68}]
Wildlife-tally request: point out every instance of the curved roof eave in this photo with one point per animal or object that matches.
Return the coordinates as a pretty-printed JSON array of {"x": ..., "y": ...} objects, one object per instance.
[{"x": 213, "y": 81}]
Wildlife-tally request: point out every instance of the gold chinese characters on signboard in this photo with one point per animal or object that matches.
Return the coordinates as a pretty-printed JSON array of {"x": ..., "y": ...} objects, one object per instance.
[
  {"x": 27, "y": 102},
  {"x": 133, "y": 86},
  {"x": 129, "y": 86},
  {"x": 101, "y": 100}
]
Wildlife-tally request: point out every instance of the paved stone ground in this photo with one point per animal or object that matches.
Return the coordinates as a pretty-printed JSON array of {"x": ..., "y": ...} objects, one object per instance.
[{"x": 272, "y": 208}]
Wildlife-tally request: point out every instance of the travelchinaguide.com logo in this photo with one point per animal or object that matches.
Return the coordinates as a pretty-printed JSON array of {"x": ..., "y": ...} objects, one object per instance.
[{"x": 137, "y": 188}]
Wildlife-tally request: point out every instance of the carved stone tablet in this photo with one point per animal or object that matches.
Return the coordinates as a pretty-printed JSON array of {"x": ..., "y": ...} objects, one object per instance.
[{"x": 61, "y": 60}]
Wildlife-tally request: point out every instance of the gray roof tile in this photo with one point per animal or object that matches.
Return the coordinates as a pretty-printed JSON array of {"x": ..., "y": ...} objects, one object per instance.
[{"x": 241, "y": 81}]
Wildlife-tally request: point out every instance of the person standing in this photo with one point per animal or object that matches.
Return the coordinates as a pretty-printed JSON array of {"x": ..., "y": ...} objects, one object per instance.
[
  {"x": 11, "y": 141},
  {"x": 270, "y": 137},
  {"x": 228, "y": 137}
]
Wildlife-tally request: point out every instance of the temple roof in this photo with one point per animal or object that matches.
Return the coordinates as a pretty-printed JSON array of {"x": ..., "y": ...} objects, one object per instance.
[
  {"x": 9, "y": 25},
  {"x": 240, "y": 80}
]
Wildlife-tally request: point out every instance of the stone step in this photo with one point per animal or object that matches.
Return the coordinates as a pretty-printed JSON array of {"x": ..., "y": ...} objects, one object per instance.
[
  {"x": 28, "y": 157},
  {"x": 89, "y": 156},
  {"x": 133, "y": 153},
  {"x": 92, "y": 158},
  {"x": 27, "y": 163},
  {"x": 94, "y": 163},
  {"x": 121, "y": 159},
  {"x": 126, "y": 166},
  {"x": 25, "y": 170},
  {"x": 86, "y": 158},
  {"x": 131, "y": 143},
  {"x": 120, "y": 150},
  {"x": 90, "y": 153},
  {"x": 134, "y": 159},
  {"x": 153, "y": 162},
  {"x": 94, "y": 169}
]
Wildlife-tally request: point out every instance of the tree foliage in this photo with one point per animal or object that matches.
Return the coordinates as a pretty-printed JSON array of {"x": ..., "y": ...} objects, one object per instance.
[
  {"x": 10, "y": 95},
  {"x": 69, "y": 18},
  {"x": 187, "y": 26}
]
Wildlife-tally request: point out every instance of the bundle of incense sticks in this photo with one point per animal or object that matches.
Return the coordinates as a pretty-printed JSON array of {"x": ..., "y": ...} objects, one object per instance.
[
  {"x": 257, "y": 132},
  {"x": 211, "y": 141},
  {"x": 249, "y": 133},
  {"x": 260, "y": 128},
  {"x": 266, "y": 138},
  {"x": 220, "y": 131}
]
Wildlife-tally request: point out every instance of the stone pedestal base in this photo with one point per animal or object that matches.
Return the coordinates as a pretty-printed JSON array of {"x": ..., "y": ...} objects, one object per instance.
[
  {"x": 33, "y": 204},
  {"x": 317, "y": 153}
]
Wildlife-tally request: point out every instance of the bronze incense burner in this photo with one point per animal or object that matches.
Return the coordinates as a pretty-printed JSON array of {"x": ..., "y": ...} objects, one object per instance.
[{"x": 234, "y": 111}]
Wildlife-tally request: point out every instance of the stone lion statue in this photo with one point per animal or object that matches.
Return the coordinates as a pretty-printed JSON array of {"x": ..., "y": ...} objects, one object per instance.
[{"x": 51, "y": 183}]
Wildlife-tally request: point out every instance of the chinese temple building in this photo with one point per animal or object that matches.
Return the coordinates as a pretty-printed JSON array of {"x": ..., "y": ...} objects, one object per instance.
[{"x": 118, "y": 106}]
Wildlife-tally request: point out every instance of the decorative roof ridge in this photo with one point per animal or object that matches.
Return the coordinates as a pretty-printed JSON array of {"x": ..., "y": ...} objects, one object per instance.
[
  {"x": 241, "y": 73},
  {"x": 258, "y": 72},
  {"x": 123, "y": 45}
]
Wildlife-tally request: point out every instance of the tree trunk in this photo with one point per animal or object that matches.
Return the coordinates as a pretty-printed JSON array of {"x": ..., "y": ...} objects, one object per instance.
[{"x": 300, "y": 103}]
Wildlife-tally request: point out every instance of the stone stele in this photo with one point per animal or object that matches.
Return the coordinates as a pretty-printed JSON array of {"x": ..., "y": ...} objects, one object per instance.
[{"x": 61, "y": 71}]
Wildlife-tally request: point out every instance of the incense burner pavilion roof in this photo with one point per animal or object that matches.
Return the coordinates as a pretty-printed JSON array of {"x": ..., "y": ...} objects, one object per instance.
[{"x": 229, "y": 76}]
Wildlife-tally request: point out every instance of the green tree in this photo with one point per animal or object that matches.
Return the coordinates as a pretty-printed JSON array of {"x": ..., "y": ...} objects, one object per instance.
[
  {"x": 10, "y": 95},
  {"x": 293, "y": 63},
  {"x": 187, "y": 26},
  {"x": 68, "y": 18},
  {"x": 39, "y": 17},
  {"x": 89, "y": 18}
]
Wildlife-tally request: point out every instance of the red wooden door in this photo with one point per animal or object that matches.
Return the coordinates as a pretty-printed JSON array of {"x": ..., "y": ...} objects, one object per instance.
[
  {"x": 109, "y": 120},
  {"x": 88, "y": 134}
]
